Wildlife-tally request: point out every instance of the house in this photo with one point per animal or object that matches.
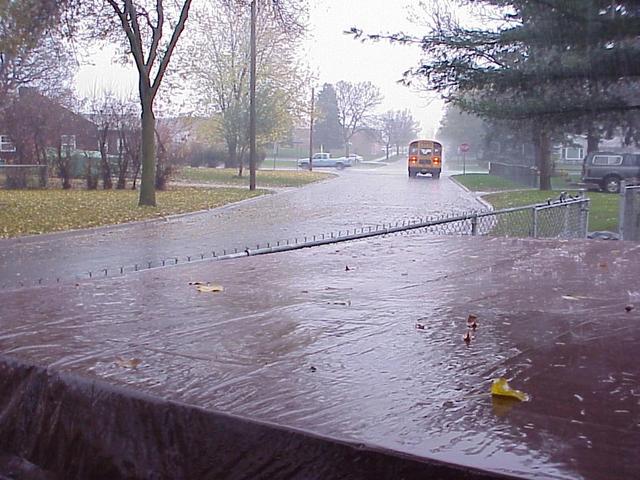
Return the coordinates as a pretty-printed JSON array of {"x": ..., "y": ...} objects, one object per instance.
[{"x": 33, "y": 123}]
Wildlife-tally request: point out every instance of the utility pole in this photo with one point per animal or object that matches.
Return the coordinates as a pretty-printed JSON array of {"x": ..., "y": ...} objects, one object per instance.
[
  {"x": 252, "y": 101},
  {"x": 311, "y": 130}
]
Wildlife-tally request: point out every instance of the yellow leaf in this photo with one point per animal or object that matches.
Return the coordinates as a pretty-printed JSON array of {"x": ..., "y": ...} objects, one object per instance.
[
  {"x": 210, "y": 288},
  {"x": 501, "y": 388}
]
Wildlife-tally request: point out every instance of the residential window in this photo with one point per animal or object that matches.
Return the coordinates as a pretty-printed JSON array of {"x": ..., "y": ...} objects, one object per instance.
[
  {"x": 6, "y": 144},
  {"x": 607, "y": 160},
  {"x": 68, "y": 142},
  {"x": 573, "y": 153}
]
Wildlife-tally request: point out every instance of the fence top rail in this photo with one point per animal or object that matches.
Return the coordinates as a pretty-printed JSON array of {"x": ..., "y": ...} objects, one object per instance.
[
  {"x": 632, "y": 187},
  {"x": 537, "y": 206},
  {"x": 22, "y": 165}
]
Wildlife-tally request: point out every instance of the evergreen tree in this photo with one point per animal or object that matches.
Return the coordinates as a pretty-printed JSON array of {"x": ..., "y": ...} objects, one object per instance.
[
  {"x": 549, "y": 65},
  {"x": 327, "y": 131}
]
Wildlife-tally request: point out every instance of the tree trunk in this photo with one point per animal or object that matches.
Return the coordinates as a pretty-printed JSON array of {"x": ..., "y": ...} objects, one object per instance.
[
  {"x": 107, "y": 183},
  {"x": 232, "y": 146},
  {"x": 148, "y": 152},
  {"x": 542, "y": 144},
  {"x": 593, "y": 142}
]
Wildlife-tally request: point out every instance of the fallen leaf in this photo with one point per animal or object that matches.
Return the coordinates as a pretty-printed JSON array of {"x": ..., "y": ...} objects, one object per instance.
[
  {"x": 128, "y": 363},
  {"x": 347, "y": 303},
  {"x": 500, "y": 387},
  {"x": 420, "y": 326},
  {"x": 210, "y": 288},
  {"x": 628, "y": 308},
  {"x": 471, "y": 321},
  {"x": 570, "y": 297},
  {"x": 346, "y": 268},
  {"x": 467, "y": 338}
]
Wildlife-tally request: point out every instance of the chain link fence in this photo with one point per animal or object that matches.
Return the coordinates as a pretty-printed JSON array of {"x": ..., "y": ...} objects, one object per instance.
[
  {"x": 23, "y": 176},
  {"x": 629, "y": 221},
  {"x": 562, "y": 218}
]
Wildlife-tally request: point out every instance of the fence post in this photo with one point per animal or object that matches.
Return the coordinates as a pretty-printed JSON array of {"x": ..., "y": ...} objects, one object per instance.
[
  {"x": 474, "y": 225},
  {"x": 535, "y": 222},
  {"x": 584, "y": 214},
  {"x": 621, "y": 211}
]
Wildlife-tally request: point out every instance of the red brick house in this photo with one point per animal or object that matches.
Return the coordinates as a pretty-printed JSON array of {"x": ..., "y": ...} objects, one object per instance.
[{"x": 33, "y": 123}]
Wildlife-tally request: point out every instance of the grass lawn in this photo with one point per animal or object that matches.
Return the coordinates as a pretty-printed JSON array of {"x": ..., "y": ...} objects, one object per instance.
[
  {"x": 603, "y": 213},
  {"x": 264, "y": 178},
  {"x": 481, "y": 182},
  {"x": 25, "y": 212},
  {"x": 280, "y": 163}
]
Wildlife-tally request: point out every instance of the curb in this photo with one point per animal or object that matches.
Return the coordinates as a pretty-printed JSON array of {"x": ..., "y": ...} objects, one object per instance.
[
  {"x": 475, "y": 195},
  {"x": 124, "y": 226}
]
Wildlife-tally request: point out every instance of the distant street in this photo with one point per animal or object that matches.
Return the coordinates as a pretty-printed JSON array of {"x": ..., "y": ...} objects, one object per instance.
[{"x": 358, "y": 198}]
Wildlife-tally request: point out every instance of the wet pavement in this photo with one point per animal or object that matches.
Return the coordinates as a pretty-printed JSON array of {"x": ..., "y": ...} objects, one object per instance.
[
  {"x": 358, "y": 198},
  {"x": 300, "y": 340}
]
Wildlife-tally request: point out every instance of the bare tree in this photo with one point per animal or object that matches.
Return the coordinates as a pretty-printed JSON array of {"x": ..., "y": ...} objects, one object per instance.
[
  {"x": 128, "y": 142},
  {"x": 103, "y": 110},
  {"x": 143, "y": 23},
  {"x": 356, "y": 102},
  {"x": 406, "y": 128}
]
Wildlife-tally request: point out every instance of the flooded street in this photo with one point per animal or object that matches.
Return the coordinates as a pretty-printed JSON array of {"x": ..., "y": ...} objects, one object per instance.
[
  {"x": 357, "y": 198},
  {"x": 299, "y": 340}
]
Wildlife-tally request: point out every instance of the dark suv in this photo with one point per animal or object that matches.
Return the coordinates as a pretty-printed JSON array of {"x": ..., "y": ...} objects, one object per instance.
[{"x": 608, "y": 169}]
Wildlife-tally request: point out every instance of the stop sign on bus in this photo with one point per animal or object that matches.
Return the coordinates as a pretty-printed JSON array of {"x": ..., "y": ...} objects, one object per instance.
[{"x": 464, "y": 147}]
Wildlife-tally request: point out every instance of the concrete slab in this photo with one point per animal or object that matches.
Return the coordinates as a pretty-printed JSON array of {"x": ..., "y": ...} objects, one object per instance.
[{"x": 323, "y": 343}]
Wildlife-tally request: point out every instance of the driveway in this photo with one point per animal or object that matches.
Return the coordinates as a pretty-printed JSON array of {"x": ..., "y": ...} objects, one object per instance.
[{"x": 357, "y": 198}]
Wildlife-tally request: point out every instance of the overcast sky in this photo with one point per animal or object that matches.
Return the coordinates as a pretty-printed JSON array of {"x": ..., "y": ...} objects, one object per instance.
[{"x": 333, "y": 55}]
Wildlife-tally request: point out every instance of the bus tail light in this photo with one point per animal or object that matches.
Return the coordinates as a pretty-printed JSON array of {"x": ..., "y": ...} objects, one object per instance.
[
  {"x": 413, "y": 159},
  {"x": 436, "y": 160}
]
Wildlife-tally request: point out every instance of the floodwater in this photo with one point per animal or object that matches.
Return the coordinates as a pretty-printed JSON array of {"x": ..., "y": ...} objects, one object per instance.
[
  {"x": 325, "y": 340},
  {"x": 357, "y": 198}
]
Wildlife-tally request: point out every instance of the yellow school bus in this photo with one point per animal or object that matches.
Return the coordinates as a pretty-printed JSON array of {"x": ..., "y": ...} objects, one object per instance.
[{"x": 425, "y": 156}]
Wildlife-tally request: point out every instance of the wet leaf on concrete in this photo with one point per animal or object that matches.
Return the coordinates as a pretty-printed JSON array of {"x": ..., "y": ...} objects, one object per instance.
[
  {"x": 501, "y": 388},
  {"x": 570, "y": 297},
  {"x": 628, "y": 308},
  {"x": 345, "y": 303},
  {"x": 210, "y": 288},
  {"x": 128, "y": 362}
]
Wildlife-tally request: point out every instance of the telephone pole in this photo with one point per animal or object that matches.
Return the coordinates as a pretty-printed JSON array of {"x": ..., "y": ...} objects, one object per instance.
[
  {"x": 311, "y": 130},
  {"x": 252, "y": 101}
]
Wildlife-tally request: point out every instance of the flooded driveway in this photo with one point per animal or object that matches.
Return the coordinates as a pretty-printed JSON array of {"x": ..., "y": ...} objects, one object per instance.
[
  {"x": 325, "y": 340},
  {"x": 357, "y": 198}
]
